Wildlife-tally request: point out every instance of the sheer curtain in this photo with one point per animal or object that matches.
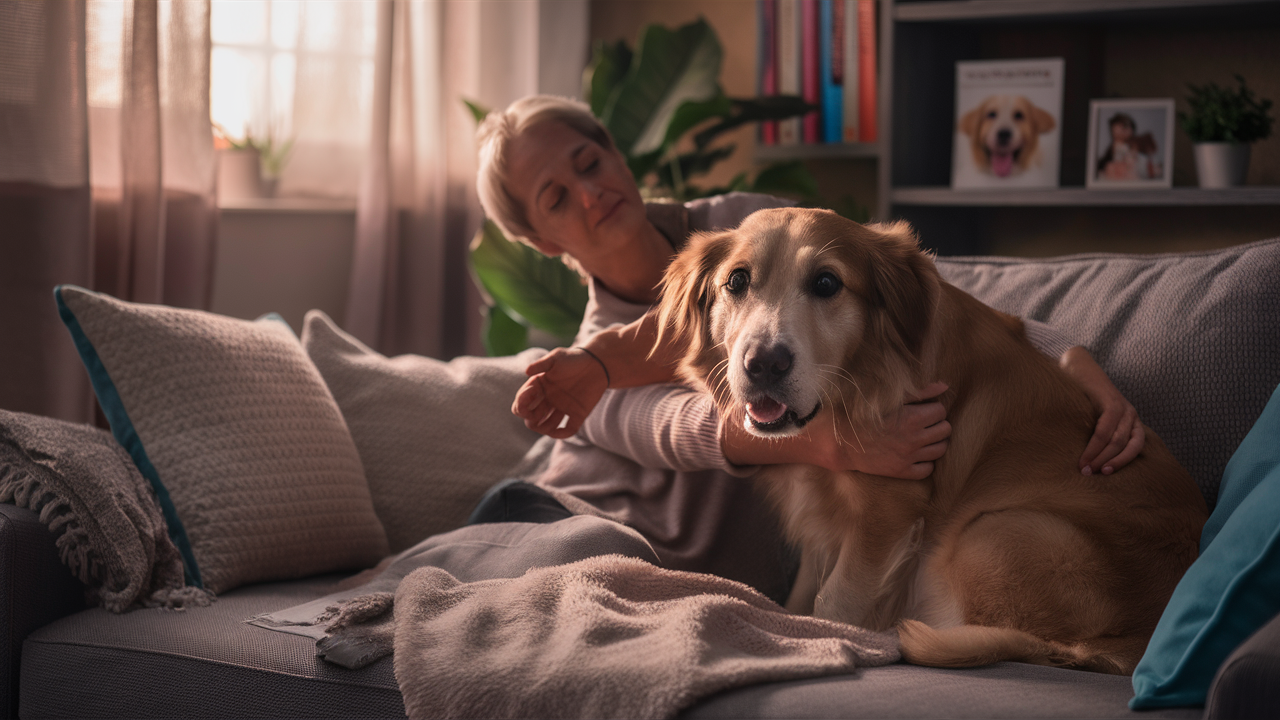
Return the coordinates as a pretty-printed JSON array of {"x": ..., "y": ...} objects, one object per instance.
[
  {"x": 106, "y": 176},
  {"x": 410, "y": 287}
]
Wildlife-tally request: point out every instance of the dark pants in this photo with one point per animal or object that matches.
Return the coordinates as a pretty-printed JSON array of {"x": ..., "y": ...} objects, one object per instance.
[{"x": 517, "y": 501}]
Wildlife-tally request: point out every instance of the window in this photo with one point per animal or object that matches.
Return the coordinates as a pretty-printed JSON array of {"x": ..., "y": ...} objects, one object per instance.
[{"x": 288, "y": 70}]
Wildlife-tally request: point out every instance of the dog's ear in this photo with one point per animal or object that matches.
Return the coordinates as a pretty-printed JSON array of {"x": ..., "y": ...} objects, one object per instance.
[
  {"x": 1044, "y": 122},
  {"x": 687, "y": 294},
  {"x": 969, "y": 123},
  {"x": 905, "y": 284}
]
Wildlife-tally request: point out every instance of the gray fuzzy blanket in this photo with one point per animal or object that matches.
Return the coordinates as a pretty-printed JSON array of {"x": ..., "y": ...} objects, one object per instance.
[
  {"x": 103, "y": 512},
  {"x": 604, "y": 637}
]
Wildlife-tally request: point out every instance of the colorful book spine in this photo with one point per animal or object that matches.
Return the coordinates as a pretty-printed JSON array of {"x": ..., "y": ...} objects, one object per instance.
[
  {"x": 789, "y": 28},
  {"x": 811, "y": 55},
  {"x": 831, "y": 27},
  {"x": 851, "y": 110},
  {"x": 867, "y": 105},
  {"x": 766, "y": 47}
]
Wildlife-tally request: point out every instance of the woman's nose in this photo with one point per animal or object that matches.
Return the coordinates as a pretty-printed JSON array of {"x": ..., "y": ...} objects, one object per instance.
[{"x": 590, "y": 191}]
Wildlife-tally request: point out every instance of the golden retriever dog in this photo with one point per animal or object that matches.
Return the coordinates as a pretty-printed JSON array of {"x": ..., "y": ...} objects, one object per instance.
[
  {"x": 1004, "y": 134},
  {"x": 1006, "y": 552}
]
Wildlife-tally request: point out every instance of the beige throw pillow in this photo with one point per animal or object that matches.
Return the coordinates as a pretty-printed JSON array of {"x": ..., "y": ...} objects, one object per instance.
[
  {"x": 237, "y": 432},
  {"x": 432, "y": 435}
]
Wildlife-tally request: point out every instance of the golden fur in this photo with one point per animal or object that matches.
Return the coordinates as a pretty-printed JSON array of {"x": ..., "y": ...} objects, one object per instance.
[
  {"x": 1008, "y": 126},
  {"x": 1006, "y": 552}
]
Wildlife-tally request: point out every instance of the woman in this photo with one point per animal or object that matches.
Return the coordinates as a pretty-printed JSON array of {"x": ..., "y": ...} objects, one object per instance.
[{"x": 659, "y": 457}]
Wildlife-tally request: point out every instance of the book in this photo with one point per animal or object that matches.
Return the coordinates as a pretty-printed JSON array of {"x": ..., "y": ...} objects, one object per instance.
[
  {"x": 1008, "y": 119},
  {"x": 811, "y": 79},
  {"x": 831, "y": 28},
  {"x": 851, "y": 109},
  {"x": 867, "y": 105},
  {"x": 789, "y": 27},
  {"x": 767, "y": 78}
]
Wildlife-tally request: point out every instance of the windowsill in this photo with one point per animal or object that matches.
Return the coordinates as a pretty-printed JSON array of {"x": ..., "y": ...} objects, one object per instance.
[{"x": 288, "y": 205}]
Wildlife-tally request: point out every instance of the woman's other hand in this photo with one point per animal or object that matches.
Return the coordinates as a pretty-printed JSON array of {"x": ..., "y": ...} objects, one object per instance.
[
  {"x": 1119, "y": 435},
  {"x": 563, "y": 388}
]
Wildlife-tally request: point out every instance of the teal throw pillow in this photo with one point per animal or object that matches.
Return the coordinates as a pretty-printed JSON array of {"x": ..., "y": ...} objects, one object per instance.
[{"x": 1232, "y": 589}]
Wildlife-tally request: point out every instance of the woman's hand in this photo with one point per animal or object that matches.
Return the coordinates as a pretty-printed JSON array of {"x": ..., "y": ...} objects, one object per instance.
[
  {"x": 905, "y": 448},
  {"x": 563, "y": 388},
  {"x": 910, "y": 442},
  {"x": 1119, "y": 435}
]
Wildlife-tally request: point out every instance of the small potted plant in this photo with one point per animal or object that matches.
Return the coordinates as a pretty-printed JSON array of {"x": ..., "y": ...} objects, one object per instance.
[{"x": 1222, "y": 123}]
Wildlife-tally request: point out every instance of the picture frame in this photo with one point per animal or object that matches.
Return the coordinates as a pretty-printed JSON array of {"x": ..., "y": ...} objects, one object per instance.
[
  {"x": 1130, "y": 144},
  {"x": 1008, "y": 120}
]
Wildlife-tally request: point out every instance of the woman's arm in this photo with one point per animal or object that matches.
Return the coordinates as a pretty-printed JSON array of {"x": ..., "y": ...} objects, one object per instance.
[{"x": 676, "y": 428}]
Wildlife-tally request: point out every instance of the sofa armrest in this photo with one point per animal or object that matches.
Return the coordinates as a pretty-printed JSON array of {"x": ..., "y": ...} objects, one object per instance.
[
  {"x": 35, "y": 589},
  {"x": 1248, "y": 683}
]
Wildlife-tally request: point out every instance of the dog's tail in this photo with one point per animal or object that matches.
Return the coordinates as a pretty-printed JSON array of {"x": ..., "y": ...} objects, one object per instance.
[{"x": 974, "y": 645}]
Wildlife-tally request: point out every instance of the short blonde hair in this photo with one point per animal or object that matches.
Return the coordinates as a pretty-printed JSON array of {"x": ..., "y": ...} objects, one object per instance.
[{"x": 494, "y": 137}]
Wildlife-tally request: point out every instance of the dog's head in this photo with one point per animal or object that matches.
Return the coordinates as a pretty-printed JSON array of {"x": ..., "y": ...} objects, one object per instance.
[
  {"x": 1004, "y": 132},
  {"x": 798, "y": 312}
]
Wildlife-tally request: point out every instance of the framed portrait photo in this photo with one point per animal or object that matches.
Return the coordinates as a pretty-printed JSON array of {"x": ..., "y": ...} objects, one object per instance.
[{"x": 1130, "y": 144}]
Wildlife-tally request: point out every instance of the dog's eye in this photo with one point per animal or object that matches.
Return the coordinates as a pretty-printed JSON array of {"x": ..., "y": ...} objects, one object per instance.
[
  {"x": 991, "y": 114},
  {"x": 826, "y": 284},
  {"x": 1018, "y": 115},
  {"x": 737, "y": 282}
]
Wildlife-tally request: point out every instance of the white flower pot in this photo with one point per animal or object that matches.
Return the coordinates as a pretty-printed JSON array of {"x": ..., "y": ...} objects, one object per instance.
[
  {"x": 1221, "y": 165},
  {"x": 239, "y": 174}
]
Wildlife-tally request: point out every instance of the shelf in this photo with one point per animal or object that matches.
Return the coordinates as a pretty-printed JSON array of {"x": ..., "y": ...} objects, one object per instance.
[
  {"x": 1082, "y": 197},
  {"x": 959, "y": 10},
  {"x": 815, "y": 151}
]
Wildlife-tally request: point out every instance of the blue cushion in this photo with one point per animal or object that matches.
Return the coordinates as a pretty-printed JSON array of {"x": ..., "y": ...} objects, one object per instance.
[{"x": 1232, "y": 589}]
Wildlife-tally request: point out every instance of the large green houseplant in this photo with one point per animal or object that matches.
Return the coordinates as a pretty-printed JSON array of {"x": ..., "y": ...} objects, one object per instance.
[
  {"x": 664, "y": 107},
  {"x": 1223, "y": 123}
]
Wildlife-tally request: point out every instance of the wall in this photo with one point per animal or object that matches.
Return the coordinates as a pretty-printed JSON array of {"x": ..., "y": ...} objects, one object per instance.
[{"x": 284, "y": 257}]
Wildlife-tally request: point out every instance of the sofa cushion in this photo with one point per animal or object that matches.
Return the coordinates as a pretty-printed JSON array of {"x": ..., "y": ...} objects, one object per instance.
[
  {"x": 433, "y": 436},
  {"x": 1191, "y": 339},
  {"x": 200, "y": 662},
  {"x": 233, "y": 426},
  {"x": 1248, "y": 683},
  {"x": 1232, "y": 589}
]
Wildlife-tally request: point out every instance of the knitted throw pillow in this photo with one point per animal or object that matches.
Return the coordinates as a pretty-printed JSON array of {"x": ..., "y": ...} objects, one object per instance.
[{"x": 249, "y": 456}]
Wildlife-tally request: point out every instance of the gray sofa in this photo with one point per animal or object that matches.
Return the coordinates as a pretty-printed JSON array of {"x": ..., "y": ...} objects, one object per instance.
[{"x": 1192, "y": 339}]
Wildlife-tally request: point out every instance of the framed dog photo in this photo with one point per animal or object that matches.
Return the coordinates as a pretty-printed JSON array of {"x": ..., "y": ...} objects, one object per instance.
[
  {"x": 1130, "y": 144},
  {"x": 1008, "y": 120}
]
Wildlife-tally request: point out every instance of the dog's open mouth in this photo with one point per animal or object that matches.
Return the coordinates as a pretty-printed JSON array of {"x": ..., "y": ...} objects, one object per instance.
[
  {"x": 1003, "y": 160},
  {"x": 769, "y": 415}
]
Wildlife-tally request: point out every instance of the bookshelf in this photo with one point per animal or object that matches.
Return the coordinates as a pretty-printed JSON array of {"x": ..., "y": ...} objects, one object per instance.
[{"x": 921, "y": 40}]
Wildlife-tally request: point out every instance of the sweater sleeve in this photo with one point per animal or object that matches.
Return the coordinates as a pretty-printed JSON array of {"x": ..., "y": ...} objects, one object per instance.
[
  {"x": 1047, "y": 338},
  {"x": 667, "y": 427}
]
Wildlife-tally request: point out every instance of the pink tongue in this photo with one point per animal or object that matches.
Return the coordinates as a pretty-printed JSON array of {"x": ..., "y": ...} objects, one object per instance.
[
  {"x": 1001, "y": 164},
  {"x": 766, "y": 411}
]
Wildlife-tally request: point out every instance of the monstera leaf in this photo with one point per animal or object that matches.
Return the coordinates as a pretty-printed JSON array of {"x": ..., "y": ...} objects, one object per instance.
[
  {"x": 671, "y": 67},
  {"x": 530, "y": 288}
]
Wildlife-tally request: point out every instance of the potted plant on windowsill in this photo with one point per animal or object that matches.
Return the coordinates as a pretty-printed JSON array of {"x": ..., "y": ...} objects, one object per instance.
[{"x": 1222, "y": 123}]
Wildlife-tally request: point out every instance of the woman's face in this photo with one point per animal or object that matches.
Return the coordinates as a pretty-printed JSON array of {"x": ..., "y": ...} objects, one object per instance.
[
  {"x": 1121, "y": 132},
  {"x": 579, "y": 197}
]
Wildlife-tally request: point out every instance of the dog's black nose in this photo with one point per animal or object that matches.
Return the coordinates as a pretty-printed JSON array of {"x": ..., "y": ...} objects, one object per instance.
[
  {"x": 768, "y": 365},
  {"x": 1004, "y": 136}
]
